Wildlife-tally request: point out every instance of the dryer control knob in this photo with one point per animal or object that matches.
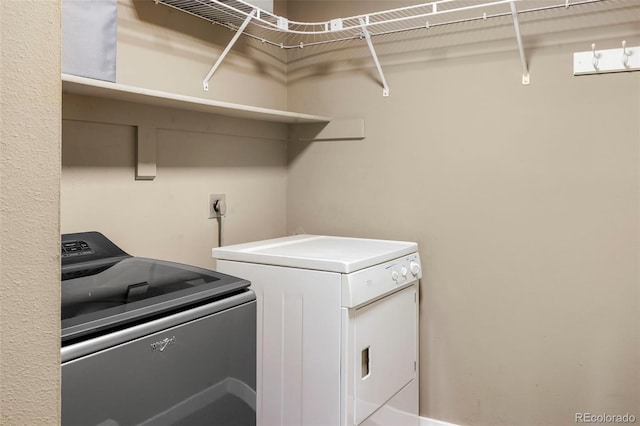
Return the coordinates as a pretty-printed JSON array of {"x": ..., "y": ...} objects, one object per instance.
[
  {"x": 395, "y": 276},
  {"x": 415, "y": 268},
  {"x": 403, "y": 272}
]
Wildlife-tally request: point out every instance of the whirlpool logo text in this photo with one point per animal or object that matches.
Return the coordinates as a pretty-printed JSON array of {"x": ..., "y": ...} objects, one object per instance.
[{"x": 163, "y": 344}]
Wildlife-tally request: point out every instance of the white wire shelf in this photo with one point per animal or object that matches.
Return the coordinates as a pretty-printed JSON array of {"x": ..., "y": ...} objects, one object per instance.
[
  {"x": 248, "y": 19},
  {"x": 288, "y": 34}
]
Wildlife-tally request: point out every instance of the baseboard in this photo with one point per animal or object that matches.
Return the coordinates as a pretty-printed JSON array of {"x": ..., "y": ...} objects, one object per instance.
[{"x": 424, "y": 421}]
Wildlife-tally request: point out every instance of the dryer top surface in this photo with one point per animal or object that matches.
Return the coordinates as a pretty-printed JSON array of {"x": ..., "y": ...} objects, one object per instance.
[{"x": 318, "y": 252}]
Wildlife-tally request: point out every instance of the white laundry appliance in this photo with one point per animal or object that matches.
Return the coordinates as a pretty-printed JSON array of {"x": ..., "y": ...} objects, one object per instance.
[{"x": 337, "y": 339}]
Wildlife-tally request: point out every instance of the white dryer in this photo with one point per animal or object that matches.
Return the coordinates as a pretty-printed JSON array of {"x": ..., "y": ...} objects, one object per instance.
[{"x": 337, "y": 328}]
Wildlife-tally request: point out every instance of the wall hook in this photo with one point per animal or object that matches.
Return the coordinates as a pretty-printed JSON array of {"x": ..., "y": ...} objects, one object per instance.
[
  {"x": 598, "y": 61},
  {"x": 596, "y": 56},
  {"x": 625, "y": 54}
]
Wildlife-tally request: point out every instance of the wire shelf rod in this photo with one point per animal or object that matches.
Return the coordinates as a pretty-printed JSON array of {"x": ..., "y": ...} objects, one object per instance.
[
  {"x": 205, "y": 82},
  {"x": 405, "y": 29},
  {"x": 264, "y": 26},
  {"x": 523, "y": 60}
]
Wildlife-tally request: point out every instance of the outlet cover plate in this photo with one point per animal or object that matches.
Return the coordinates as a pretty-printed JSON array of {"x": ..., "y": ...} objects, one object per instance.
[{"x": 212, "y": 199}]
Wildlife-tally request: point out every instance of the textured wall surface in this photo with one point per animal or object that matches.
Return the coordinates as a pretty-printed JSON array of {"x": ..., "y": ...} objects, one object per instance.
[{"x": 29, "y": 212}]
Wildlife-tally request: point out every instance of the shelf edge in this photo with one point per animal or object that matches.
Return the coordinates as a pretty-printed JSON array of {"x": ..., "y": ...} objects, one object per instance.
[{"x": 91, "y": 87}]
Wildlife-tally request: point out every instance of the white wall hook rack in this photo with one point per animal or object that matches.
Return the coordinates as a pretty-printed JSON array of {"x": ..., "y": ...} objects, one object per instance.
[
  {"x": 266, "y": 27},
  {"x": 606, "y": 61}
]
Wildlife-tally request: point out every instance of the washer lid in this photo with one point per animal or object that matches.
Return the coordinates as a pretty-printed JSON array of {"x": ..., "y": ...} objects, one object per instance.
[
  {"x": 103, "y": 288},
  {"x": 136, "y": 288},
  {"x": 324, "y": 253}
]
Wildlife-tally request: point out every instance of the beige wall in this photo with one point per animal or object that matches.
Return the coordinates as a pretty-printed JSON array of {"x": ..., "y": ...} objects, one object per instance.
[
  {"x": 29, "y": 212},
  {"x": 166, "y": 49},
  {"x": 524, "y": 201},
  {"x": 197, "y": 154}
]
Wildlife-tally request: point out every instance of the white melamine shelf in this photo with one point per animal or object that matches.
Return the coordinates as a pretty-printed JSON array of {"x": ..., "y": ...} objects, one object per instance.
[{"x": 103, "y": 89}]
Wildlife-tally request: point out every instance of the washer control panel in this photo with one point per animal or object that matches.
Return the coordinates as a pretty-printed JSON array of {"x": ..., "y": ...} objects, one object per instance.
[
  {"x": 76, "y": 248},
  {"x": 368, "y": 284}
]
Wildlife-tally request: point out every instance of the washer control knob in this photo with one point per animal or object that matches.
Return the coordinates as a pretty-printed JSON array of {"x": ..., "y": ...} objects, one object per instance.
[
  {"x": 415, "y": 268},
  {"x": 395, "y": 276},
  {"x": 403, "y": 272}
]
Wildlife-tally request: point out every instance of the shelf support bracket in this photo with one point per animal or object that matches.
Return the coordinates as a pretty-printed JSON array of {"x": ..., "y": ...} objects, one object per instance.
[
  {"x": 340, "y": 129},
  {"x": 146, "y": 152},
  {"x": 367, "y": 36},
  {"x": 205, "y": 82},
  {"x": 523, "y": 60}
]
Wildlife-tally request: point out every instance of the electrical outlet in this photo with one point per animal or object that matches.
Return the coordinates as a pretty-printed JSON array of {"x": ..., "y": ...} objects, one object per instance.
[{"x": 212, "y": 201}]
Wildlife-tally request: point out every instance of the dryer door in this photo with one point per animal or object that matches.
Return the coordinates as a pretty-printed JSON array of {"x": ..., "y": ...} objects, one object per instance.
[{"x": 385, "y": 350}]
